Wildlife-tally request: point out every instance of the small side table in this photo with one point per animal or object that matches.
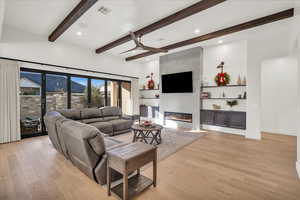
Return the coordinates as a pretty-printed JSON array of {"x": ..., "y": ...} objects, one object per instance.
[{"x": 127, "y": 159}]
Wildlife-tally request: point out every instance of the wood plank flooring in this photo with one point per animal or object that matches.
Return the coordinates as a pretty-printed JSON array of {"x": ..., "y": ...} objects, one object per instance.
[{"x": 215, "y": 167}]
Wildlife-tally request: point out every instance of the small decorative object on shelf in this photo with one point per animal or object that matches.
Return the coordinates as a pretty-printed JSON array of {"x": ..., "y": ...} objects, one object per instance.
[
  {"x": 223, "y": 95},
  {"x": 245, "y": 95},
  {"x": 204, "y": 82},
  {"x": 216, "y": 107},
  {"x": 157, "y": 96},
  {"x": 144, "y": 87},
  {"x": 222, "y": 79},
  {"x": 232, "y": 103},
  {"x": 244, "y": 82},
  {"x": 205, "y": 95},
  {"x": 151, "y": 83},
  {"x": 239, "y": 96},
  {"x": 158, "y": 86},
  {"x": 239, "y": 80}
]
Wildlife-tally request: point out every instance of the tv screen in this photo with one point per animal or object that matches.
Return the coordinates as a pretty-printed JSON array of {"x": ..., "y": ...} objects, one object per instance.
[{"x": 177, "y": 83}]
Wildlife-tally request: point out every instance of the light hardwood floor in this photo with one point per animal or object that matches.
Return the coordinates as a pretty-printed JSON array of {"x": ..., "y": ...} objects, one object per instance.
[{"x": 217, "y": 166}]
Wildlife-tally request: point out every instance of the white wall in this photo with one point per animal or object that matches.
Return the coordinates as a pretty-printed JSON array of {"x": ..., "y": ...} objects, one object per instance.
[
  {"x": 279, "y": 97},
  {"x": 2, "y": 11},
  {"x": 25, "y": 46},
  {"x": 264, "y": 43},
  {"x": 295, "y": 46}
]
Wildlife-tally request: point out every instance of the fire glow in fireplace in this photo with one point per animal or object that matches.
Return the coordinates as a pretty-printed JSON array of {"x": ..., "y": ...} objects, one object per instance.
[{"x": 182, "y": 117}]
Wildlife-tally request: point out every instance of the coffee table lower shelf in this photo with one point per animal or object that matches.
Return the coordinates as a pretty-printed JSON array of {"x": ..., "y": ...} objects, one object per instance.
[{"x": 136, "y": 185}]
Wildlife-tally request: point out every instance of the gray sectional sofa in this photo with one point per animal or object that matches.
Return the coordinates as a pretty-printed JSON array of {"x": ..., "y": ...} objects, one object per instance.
[{"x": 82, "y": 136}]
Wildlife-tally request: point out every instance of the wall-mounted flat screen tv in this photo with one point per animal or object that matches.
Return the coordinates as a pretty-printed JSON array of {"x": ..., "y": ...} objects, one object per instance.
[{"x": 177, "y": 83}]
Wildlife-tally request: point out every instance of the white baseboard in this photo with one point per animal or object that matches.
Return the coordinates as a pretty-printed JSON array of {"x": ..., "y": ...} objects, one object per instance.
[
  {"x": 298, "y": 168},
  {"x": 223, "y": 129}
]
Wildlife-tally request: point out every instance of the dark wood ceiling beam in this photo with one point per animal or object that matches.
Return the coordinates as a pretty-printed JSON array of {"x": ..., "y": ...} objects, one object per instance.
[
  {"x": 191, "y": 10},
  {"x": 233, "y": 29},
  {"x": 72, "y": 17}
]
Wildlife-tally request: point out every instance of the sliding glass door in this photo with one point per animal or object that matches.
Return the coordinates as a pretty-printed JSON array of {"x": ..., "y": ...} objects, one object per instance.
[
  {"x": 31, "y": 102},
  {"x": 42, "y": 91}
]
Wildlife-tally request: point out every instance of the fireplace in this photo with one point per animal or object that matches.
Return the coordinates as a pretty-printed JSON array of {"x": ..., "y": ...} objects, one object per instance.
[{"x": 175, "y": 116}]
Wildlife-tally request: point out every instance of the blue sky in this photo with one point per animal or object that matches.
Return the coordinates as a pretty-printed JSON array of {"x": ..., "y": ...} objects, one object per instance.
[{"x": 82, "y": 81}]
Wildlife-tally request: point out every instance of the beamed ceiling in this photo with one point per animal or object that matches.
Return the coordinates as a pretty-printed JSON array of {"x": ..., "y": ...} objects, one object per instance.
[{"x": 42, "y": 17}]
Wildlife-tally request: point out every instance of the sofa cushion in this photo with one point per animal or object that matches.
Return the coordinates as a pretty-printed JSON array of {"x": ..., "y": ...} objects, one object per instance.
[
  {"x": 88, "y": 113},
  {"x": 104, "y": 127},
  {"x": 92, "y": 120},
  {"x": 111, "y": 111},
  {"x": 121, "y": 124},
  {"x": 111, "y": 118},
  {"x": 97, "y": 144},
  {"x": 71, "y": 113}
]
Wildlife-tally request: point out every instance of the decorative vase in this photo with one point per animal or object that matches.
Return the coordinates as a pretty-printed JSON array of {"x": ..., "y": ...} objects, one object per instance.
[
  {"x": 239, "y": 81},
  {"x": 244, "y": 81}
]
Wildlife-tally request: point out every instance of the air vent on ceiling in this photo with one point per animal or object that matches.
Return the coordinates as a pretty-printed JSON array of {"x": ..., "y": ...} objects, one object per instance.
[{"x": 103, "y": 10}]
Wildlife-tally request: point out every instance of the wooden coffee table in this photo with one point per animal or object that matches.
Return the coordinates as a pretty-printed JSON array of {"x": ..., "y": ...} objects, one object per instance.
[
  {"x": 143, "y": 133},
  {"x": 127, "y": 159}
]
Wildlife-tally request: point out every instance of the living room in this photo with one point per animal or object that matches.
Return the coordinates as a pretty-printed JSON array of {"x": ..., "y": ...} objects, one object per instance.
[{"x": 156, "y": 104}]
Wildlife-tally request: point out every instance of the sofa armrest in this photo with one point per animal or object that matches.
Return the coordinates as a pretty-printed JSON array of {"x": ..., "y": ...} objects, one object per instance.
[{"x": 116, "y": 146}]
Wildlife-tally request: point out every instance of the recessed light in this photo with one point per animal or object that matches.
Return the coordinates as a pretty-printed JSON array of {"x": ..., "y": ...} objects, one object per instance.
[
  {"x": 197, "y": 31},
  {"x": 79, "y": 33},
  {"x": 220, "y": 41}
]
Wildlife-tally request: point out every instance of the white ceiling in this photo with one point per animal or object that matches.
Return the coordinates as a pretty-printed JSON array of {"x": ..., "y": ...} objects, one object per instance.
[{"x": 42, "y": 16}]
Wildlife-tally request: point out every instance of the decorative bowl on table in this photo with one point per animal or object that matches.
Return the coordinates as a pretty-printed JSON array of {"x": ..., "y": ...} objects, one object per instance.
[{"x": 147, "y": 123}]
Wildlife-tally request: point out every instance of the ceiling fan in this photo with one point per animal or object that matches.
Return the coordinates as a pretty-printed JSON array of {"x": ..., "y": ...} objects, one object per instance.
[{"x": 141, "y": 46}]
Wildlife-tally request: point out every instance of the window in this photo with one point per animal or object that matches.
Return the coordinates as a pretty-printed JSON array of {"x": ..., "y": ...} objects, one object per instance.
[
  {"x": 126, "y": 97},
  {"x": 113, "y": 93},
  {"x": 79, "y": 92},
  {"x": 97, "y": 93},
  {"x": 42, "y": 91},
  {"x": 56, "y": 92}
]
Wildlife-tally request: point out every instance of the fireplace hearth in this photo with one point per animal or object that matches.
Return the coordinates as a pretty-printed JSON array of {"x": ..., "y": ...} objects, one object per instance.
[{"x": 176, "y": 116}]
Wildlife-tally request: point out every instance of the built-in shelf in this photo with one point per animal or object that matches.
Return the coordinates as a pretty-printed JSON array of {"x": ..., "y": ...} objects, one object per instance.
[
  {"x": 149, "y": 89},
  {"x": 215, "y": 86},
  {"x": 222, "y": 98},
  {"x": 149, "y": 98}
]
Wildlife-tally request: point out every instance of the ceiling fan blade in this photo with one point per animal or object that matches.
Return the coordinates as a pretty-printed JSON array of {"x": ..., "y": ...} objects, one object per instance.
[
  {"x": 135, "y": 39},
  {"x": 157, "y": 50},
  {"x": 135, "y": 48}
]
